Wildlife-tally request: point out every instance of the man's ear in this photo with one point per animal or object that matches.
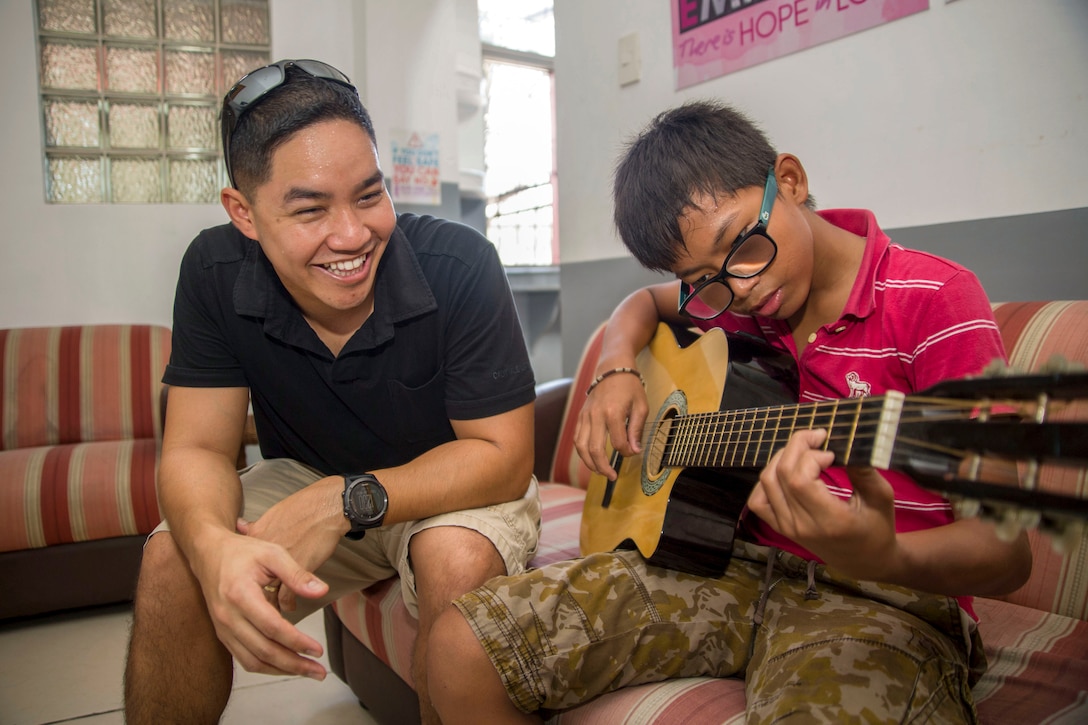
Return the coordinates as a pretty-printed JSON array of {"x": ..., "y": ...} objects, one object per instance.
[
  {"x": 239, "y": 210},
  {"x": 791, "y": 177}
]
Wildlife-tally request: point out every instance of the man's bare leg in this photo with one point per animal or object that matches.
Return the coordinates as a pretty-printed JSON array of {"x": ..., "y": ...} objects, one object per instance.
[
  {"x": 448, "y": 561},
  {"x": 177, "y": 670}
]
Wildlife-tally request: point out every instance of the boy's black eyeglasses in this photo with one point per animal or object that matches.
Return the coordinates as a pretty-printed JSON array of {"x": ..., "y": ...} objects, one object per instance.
[
  {"x": 256, "y": 85},
  {"x": 752, "y": 253}
]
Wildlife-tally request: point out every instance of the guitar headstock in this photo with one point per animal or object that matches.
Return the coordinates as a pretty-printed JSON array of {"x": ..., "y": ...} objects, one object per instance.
[{"x": 1008, "y": 447}]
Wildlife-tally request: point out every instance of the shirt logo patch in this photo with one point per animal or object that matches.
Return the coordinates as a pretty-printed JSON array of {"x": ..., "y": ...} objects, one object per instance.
[{"x": 858, "y": 387}]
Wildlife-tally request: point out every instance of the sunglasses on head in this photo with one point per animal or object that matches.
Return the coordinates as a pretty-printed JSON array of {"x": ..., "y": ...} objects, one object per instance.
[{"x": 257, "y": 84}]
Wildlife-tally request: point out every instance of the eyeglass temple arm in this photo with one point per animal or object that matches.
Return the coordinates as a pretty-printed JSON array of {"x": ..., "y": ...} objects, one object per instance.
[{"x": 770, "y": 191}]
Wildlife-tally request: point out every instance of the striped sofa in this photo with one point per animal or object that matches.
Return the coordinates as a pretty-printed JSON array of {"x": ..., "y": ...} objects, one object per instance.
[
  {"x": 80, "y": 434},
  {"x": 1036, "y": 638}
]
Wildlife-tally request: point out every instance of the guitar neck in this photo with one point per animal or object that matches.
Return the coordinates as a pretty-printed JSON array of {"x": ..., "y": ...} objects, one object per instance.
[{"x": 861, "y": 431}]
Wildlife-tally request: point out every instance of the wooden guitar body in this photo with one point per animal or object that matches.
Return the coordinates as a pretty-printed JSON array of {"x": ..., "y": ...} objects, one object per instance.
[{"x": 685, "y": 518}]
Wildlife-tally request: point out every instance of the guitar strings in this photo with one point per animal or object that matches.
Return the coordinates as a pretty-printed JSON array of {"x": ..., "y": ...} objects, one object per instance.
[{"x": 692, "y": 434}]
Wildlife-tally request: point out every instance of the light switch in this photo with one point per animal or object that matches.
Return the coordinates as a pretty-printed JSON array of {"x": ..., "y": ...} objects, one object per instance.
[{"x": 630, "y": 59}]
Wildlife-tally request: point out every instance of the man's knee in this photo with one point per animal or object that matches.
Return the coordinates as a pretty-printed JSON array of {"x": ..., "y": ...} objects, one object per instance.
[
  {"x": 165, "y": 579},
  {"x": 451, "y": 561}
]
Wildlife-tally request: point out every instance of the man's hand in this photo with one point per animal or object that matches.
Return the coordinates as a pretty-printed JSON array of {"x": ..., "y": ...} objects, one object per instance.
[
  {"x": 307, "y": 524},
  {"x": 856, "y": 536},
  {"x": 615, "y": 412},
  {"x": 233, "y": 574}
]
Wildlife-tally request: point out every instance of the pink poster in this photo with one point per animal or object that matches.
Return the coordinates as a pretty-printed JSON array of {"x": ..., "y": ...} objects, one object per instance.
[{"x": 711, "y": 38}]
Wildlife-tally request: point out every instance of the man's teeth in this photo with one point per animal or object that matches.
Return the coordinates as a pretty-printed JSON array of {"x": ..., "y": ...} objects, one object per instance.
[{"x": 349, "y": 266}]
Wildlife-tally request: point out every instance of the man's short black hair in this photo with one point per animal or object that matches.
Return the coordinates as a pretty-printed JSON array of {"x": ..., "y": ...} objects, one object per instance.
[
  {"x": 301, "y": 101},
  {"x": 699, "y": 147}
]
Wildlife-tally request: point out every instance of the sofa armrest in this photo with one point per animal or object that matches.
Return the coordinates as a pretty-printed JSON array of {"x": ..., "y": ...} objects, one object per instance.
[{"x": 551, "y": 401}]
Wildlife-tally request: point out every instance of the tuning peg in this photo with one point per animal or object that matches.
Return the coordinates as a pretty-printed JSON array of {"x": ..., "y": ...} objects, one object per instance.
[
  {"x": 1061, "y": 364},
  {"x": 1007, "y": 524},
  {"x": 966, "y": 508},
  {"x": 997, "y": 368},
  {"x": 1029, "y": 519},
  {"x": 1066, "y": 536}
]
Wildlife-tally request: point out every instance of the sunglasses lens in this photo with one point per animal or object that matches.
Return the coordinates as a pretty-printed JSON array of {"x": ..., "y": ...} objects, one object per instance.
[
  {"x": 253, "y": 86},
  {"x": 322, "y": 70}
]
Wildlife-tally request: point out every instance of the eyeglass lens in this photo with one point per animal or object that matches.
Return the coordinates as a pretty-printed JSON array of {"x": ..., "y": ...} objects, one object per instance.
[{"x": 754, "y": 254}]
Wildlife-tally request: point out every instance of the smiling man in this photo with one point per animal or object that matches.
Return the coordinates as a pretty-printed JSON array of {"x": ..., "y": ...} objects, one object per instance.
[{"x": 392, "y": 395}]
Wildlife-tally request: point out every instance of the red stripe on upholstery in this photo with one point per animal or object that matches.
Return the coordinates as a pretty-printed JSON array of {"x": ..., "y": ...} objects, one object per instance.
[
  {"x": 140, "y": 365},
  {"x": 69, "y": 424},
  {"x": 1012, "y": 318},
  {"x": 142, "y": 488},
  {"x": 56, "y": 516}
]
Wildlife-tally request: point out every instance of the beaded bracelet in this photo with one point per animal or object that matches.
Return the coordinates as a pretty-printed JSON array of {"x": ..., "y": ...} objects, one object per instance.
[{"x": 597, "y": 380}]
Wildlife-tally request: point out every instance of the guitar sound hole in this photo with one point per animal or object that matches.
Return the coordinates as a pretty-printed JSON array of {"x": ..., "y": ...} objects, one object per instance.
[{"x": 655, "y": 452}]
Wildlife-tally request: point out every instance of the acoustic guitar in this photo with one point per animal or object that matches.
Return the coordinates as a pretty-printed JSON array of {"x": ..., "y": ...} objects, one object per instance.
[{"x": 722, "y": 412}]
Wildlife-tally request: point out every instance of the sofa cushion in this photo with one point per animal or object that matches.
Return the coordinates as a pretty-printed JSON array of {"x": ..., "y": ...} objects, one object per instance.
[
  {"x": 78, "y": 492},
  {"x": 1038, "y": 665},
  {"x": 79, "y": 384}
]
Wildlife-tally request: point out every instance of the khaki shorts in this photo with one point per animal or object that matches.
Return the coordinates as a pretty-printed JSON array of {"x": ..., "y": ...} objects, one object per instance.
[
  {"x": 513, "y": 527},
  {"x": 810, "y": 644}
]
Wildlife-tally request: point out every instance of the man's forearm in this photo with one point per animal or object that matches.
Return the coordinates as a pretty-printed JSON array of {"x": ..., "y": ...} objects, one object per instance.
[{"x": 200, "y": 493}]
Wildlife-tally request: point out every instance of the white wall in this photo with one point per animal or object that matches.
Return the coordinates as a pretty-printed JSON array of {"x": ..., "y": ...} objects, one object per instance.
[
  {"x": 79, "y": 264},
  {"x": 970, "y": 110}
]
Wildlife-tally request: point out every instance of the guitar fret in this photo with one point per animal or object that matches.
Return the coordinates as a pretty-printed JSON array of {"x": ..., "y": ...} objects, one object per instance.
[
  {"x": 852, "y": 431},
  {"x": 720, "y": 431},
  {"x": 701, "y": 444},
  {"x": 744, "y": 440},
  {"x": 734, "y": 436}
]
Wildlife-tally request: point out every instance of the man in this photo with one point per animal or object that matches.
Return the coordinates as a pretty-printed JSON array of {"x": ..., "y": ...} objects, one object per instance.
[
  {"x": 848, "y": 596},
  {"x": 391, "y": 391}
]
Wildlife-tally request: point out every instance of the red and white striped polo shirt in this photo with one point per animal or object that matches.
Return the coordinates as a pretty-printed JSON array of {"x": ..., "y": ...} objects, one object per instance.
[{"x": 912, "y": 319}]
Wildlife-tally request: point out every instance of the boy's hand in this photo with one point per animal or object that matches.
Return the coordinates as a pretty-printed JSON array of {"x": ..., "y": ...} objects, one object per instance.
[
  {"x": 856, "y": 536},
  {"x": 614, "y": 413}
]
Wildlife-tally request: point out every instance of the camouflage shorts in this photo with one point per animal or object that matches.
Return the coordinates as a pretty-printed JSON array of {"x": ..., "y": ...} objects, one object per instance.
[{"x": 817, "y": 646}]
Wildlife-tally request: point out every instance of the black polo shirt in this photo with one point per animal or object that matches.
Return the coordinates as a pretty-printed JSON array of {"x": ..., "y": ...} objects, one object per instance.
[{"x": 443, "y": 343}]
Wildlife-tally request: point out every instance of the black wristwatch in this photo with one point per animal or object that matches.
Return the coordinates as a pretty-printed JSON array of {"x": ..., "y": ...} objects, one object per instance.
[{"x": 365, "y": 504}]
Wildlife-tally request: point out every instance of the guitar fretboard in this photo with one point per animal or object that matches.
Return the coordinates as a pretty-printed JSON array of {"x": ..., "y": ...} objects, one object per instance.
[{"x": 861, "y": 431}]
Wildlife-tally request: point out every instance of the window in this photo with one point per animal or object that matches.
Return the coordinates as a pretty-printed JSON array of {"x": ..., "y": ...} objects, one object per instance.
[
  {"x": 519, "y": 160},
  {"x": 130, "y": 94}
]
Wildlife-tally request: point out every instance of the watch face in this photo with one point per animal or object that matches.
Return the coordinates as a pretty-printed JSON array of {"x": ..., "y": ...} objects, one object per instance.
[{"x": 366, "y": 502}]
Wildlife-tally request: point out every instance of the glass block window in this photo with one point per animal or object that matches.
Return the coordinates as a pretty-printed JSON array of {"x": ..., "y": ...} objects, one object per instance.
[{"x": 130, "y": 94}]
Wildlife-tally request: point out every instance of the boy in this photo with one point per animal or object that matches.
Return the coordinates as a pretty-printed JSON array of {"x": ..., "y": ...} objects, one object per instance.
[
  {"x": 821, "y": 608},
  {"x": 391, "y": 391}
]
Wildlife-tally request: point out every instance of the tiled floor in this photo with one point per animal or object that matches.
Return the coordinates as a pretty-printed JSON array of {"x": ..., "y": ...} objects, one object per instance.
[{"x": 68, "y": 669}]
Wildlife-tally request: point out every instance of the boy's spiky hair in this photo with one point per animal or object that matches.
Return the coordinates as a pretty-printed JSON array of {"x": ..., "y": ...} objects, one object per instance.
[{"x": 699, "y": 147}]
